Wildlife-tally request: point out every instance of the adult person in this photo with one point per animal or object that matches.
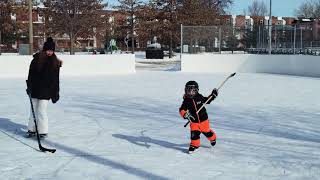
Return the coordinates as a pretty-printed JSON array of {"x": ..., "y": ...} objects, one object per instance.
[{"x": 43, "y": 85}]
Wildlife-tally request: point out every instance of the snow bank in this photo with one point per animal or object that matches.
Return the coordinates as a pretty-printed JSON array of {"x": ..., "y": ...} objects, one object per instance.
[
  {"x": 18, "y": 66},
  {"x": 299, "y": 65}
]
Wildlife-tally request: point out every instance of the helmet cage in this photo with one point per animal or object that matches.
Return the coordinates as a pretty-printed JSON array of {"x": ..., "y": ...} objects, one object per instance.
[{"x": 191, "y": 90}]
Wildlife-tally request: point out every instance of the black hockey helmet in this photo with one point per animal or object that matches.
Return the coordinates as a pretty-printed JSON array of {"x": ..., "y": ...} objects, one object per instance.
[{"x": 191, "y": 89}]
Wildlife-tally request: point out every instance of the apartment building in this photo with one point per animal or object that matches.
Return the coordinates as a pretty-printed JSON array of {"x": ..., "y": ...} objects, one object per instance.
[{"x": 40, "y": 32}]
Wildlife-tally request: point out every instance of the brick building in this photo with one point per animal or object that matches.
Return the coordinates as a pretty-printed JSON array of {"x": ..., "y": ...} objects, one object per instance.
[
  {"x": 39, "y": 32},
  {"x": 116, "y": 29}
]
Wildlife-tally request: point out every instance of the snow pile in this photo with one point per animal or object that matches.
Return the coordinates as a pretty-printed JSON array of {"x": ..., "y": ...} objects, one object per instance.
[
  {"x": 165, "y": 64},
  {"x": 299, "y": 65},
  {"x": 75, "y": 65}
]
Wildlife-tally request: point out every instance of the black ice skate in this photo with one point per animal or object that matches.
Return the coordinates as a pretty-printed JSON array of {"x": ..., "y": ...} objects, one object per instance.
[
  {"x": 192, "y": 149},
  {"x": 213, "y": 142},
  {"x": 43, "y": 135},
  {"x": 30, "y": 134}
]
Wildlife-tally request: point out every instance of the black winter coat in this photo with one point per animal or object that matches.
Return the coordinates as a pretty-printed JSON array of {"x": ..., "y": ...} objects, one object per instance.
[
  {"x": 44, "y": 82},
  {"x": 193, "y": 105}
]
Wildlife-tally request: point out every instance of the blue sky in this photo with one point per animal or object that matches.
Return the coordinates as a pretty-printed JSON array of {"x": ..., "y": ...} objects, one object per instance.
[{"x": 279, "y": 7}]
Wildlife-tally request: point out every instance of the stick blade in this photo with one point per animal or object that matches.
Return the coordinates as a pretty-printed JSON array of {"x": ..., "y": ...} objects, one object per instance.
[
  {"x": 231, "y": 75},
  {"x": 45, "y": 149}
]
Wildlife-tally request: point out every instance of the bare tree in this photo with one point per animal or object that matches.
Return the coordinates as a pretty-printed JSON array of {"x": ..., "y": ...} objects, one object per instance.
[
  {"x": 148, "y": 25},
  {"x": 162, "y": 18},
  {"x": 219, "y": 5},
  {"x": 117, "y": 29},
  {"x": 76, "y": 18},
  {"x": 162, "y": 15},
  {"x": 257, "y": 8},
  {"x": 7, "y": 25},
  {"x": 130, "y": 9},
  {"x": 202, "y": 12},
  {"x": 309, "y": 9}
]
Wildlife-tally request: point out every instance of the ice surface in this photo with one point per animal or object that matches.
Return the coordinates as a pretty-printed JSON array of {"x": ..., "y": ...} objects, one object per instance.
[{"x": 128, "y": 127}]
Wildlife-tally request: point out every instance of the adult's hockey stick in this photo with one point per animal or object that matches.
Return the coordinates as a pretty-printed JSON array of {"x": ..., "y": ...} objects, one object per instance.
[
  {"x": 35, "y": 123},
  {"x": 230, "y": 76}
]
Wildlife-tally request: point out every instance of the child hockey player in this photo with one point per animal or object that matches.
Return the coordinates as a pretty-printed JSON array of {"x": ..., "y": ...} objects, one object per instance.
[{"x": 199, "y": 122}]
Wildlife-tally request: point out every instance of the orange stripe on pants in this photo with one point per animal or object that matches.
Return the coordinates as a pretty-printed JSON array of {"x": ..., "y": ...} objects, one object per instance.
[{"x": 203, "y": 127}]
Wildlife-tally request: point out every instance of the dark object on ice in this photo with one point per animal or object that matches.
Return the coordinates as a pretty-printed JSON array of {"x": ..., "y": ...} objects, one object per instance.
[{"x": 154, "y": 51}]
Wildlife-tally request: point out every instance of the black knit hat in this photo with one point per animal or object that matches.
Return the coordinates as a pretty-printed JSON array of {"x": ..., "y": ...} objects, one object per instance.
[{"x": 49, "y": 44}]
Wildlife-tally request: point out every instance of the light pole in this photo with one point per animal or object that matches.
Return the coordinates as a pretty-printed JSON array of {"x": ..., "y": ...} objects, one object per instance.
[
  {"x": 181, "y": 40},
  {"x": 0, "y": 41},
  {"x": 30, "y": 28},
  {"x": 1, "y": 14},
  {"x": 270, "y": 27}
]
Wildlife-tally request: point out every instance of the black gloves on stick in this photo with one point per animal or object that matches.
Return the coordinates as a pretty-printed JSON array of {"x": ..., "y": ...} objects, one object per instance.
[
  {"x": 214, "y": 92},
  {"x": 188, "y": 115},
  {"x": 55, "y": 98}
]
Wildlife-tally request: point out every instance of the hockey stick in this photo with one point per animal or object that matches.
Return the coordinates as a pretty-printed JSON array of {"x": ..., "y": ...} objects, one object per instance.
[
  {"x": 35, "y": 123},
  {"x": 230, "y": 76}
]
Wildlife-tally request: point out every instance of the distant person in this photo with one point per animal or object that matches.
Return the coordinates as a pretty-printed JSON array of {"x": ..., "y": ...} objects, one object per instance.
[
  {"x": 43, "y": 85},
  {"x": 199, "y": 122}
]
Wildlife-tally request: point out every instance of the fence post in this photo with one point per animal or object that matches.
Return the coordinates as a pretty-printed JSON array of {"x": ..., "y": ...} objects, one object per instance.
[
  {"x": 30, "y": 6},
  {"x": 301, "y": 38},
  {"x": 181, "y": 39},
  {"x": 220, "y": 39},
  {"x": 259, "y": 44},
  {"x": 294, "y": 39},
  {"x": 270, "y": 27},
  {"x": 275, "y": 37},
  {"x": 0, "y": 41}
]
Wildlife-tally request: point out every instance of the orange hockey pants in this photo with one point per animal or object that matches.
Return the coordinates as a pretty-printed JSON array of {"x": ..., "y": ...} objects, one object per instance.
[{"x": 198, "y": 128}]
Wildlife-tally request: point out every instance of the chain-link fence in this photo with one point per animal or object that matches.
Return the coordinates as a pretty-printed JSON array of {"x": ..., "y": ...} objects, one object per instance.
[{"x": 251, "y": 39}]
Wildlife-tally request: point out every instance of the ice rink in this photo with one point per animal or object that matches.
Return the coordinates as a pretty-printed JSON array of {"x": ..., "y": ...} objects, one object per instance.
[{"x": 128, "y": 127}]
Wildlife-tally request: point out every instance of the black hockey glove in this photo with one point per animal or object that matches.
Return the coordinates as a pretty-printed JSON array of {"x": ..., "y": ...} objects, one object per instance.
[
  {"x": 55, "y": 98},
  {"x": 188, "y": 115},
  {"x": 28, "y": 91},
  {"x": 214, "y": 92}
]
